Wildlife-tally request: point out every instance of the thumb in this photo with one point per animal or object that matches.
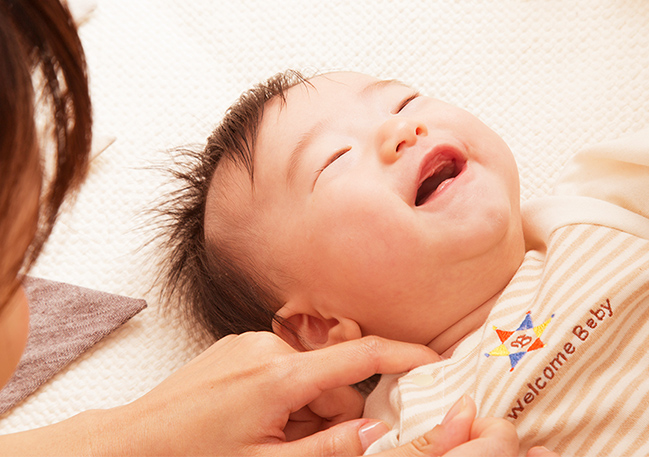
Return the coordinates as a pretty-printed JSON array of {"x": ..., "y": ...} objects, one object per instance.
[
  {"x": 540, "y": 451},
  {"x": 454, "y": 430},
  {"x": 350, "y": 438}
]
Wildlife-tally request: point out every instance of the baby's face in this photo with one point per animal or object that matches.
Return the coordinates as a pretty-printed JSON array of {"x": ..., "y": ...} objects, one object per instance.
[{"x": 379, "y": 205}]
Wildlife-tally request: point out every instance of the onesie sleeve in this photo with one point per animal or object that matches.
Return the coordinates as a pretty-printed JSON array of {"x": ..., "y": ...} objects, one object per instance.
[
  {"x": 605, "y": 184},
  {"x": 614, "y": 172}
]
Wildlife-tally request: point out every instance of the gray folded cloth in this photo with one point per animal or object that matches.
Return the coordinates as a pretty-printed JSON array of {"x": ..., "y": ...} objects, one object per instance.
[{"x": 65, "y": 321}]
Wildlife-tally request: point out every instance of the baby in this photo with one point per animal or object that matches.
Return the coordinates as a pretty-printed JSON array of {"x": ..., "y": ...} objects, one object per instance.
[{"x": 340, "y": 206}]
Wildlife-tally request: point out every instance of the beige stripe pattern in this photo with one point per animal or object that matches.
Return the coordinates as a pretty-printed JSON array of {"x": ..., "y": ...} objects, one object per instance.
[{"x": 579, "y": 384}]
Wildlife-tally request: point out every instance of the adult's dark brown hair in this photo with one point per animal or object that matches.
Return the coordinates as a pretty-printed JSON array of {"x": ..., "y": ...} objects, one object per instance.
[{"x": 45, "y": 127}]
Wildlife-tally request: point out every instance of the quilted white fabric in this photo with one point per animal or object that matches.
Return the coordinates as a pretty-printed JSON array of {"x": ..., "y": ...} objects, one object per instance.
[{"x": 549, "y": 75}]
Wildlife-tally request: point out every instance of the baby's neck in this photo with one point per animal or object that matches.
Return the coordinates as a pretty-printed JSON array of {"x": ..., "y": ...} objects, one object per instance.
[{"x": 445, "y": 343}]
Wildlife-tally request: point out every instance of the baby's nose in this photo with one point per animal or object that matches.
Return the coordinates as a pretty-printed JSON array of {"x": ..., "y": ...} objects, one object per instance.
[{"x": 398, "y": 133}]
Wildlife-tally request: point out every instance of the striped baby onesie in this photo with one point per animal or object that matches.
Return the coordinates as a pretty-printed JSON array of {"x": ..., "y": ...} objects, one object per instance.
[{"x": 563, "y": 354}]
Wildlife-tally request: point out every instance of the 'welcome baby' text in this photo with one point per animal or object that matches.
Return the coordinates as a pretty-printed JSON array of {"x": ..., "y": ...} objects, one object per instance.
[{"x": 582, "y": 332}]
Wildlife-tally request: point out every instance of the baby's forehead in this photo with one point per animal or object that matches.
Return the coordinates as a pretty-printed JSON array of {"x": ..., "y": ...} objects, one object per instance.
[
  {"x": 350, "y": 79},
  {"x": 317, "y": 98},
  {"x": 328, "y": 91},
  {"x": 328, "y": 84}
]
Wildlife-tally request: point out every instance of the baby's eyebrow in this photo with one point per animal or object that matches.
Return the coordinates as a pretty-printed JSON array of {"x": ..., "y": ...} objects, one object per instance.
[
  {"x": 376, "y": 85},
  {"x": 298, "y": 152}
]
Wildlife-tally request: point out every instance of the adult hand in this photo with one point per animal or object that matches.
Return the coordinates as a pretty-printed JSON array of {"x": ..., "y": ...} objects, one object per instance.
[
  {"x": 460, "y": 434},
  {"x": 252, "y": 394}
]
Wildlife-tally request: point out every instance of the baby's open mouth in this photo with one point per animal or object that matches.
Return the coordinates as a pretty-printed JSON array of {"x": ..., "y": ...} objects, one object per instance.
[{"x": 446, "y": 169}]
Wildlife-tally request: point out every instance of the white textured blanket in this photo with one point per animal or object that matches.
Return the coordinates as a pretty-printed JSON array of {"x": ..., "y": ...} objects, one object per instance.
[{"x": 549, "y": 75}]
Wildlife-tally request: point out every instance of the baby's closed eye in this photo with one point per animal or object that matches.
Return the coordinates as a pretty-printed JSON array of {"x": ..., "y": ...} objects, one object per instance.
[
  {"x": 406, "y": 101},
  {"x": 332, "y": 158}
]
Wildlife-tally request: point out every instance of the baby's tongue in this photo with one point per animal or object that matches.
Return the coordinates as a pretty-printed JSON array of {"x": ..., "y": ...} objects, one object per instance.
[{"x": 428, "y": 186}]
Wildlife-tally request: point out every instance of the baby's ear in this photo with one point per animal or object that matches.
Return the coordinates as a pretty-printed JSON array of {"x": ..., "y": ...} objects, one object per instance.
[{"x": 310, "y": 331}]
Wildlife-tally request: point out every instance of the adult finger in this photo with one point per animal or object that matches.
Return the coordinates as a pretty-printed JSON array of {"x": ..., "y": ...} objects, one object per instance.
[
  {"x": 330, "y": 408},
  {"x": 350, "y": 438},
  {"x": 338, "y": 405},
  {"x": 540, "y": 451},
  {"x": 353, "y": 361},
  {"x": 453, "y": 431},
  {"x": 489, "y": 437}
]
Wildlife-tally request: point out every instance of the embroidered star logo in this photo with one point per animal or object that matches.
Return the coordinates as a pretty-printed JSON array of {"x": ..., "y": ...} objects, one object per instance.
[{"x": 518, "y": 343}]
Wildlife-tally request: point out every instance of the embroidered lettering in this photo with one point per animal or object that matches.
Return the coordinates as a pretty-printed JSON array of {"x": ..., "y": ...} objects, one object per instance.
[
  {"x": 548, "y": 373},
  {"x": 581, "y": 333},
  {"x": 535, "y": 388},
  {"x": 557, "y": 360},
  {"x": 516, "y": 410},
  {"x": 607, "y": 306},
  {"x": 600, "y": 314},
  {"x": 521, "y": 341}
]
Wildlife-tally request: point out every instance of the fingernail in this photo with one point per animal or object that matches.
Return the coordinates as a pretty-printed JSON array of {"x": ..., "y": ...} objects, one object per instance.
[
  {"x": 455, "y": 410},
  {"x": 540, "y": 450},
  {"x": 372, "y": 431}
]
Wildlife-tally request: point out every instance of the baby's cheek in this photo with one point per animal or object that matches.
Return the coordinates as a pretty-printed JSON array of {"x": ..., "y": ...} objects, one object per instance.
[{"x": 363, "y": 245}]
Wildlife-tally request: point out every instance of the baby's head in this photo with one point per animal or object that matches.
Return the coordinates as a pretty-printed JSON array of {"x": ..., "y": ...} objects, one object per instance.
[{"x": 344, "y": 206}]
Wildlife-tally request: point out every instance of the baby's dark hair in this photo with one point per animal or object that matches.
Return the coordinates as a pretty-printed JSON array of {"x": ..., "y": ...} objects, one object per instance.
[{"x": 220, "y": 292}]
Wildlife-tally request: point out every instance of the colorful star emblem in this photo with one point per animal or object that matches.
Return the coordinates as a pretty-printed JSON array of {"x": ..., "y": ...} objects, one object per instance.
[{"x": 518, "y": 343}]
